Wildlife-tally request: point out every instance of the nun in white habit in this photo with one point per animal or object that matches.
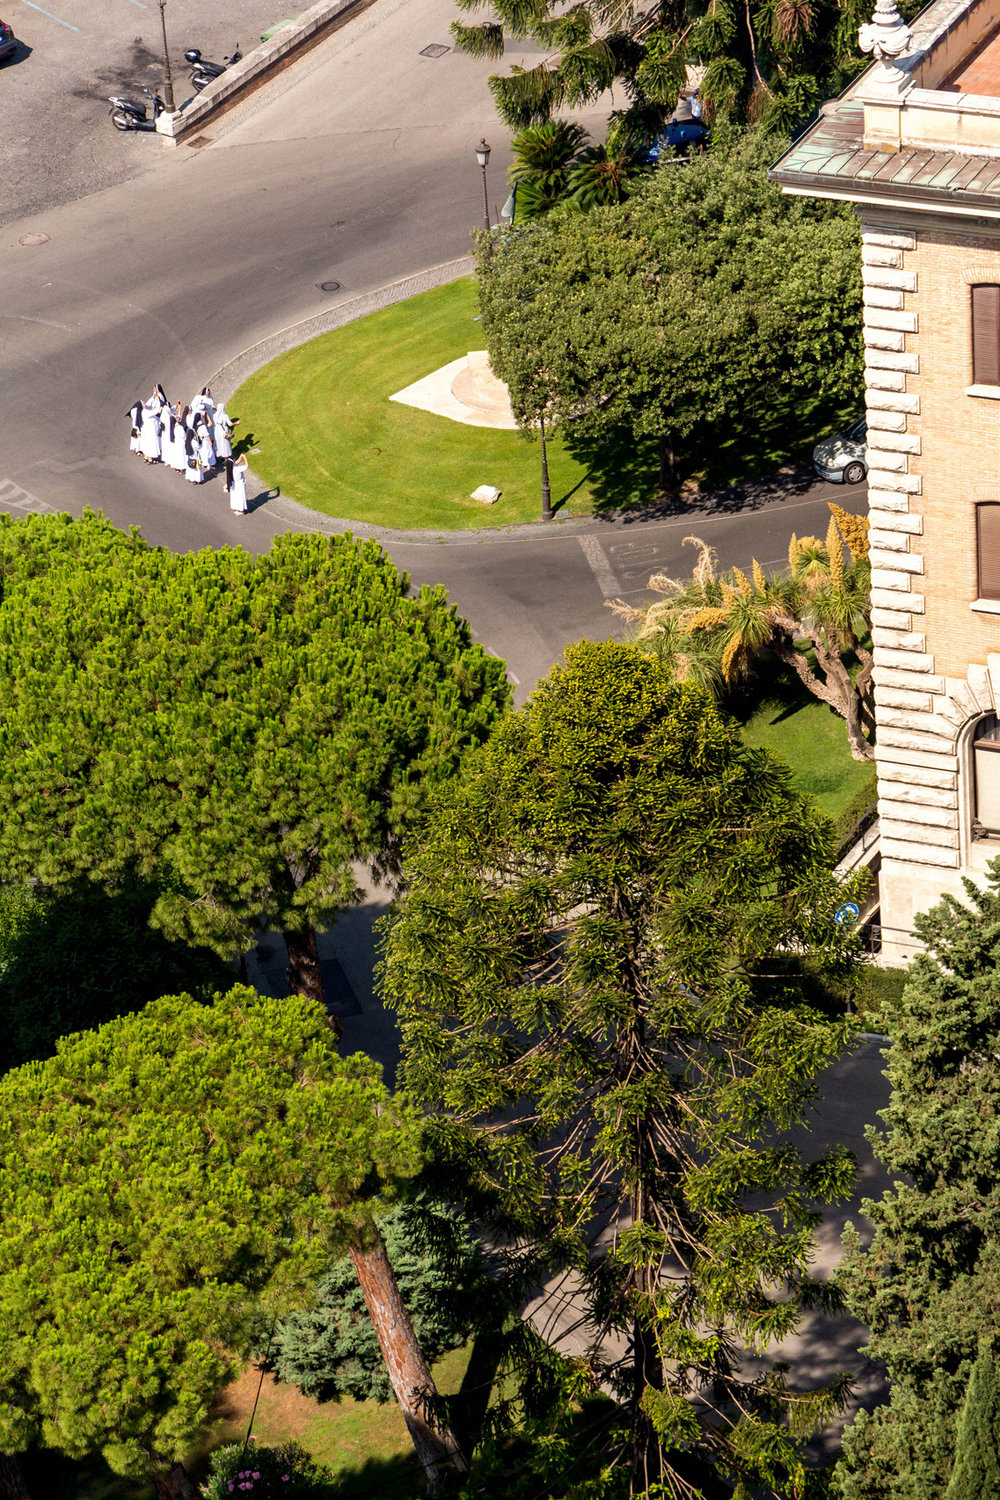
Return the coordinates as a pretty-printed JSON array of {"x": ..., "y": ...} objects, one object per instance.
[
  {"x": 149, "y": 433},
  {"x": 206, "y": 448},
  {"x": 223, "y": 433},
  {"x": 135, "y": 417},
  {"x": 173, "y": 442},
  {"x": 192, "y": 467},
  {"x": 236, "y": 473}
]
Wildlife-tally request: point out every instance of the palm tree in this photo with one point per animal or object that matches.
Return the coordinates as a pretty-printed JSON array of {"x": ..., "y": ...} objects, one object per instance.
[
  {"x": 543, "y": 156},
  {"x": 811, "y": 616}
]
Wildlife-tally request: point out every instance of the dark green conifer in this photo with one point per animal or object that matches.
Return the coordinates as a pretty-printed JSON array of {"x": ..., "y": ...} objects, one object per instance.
[{"x": 976, "y": 1472}]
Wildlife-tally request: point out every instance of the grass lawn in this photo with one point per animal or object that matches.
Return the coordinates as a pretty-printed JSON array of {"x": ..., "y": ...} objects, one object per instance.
[
  {"x": 811, "y": 739},
  {"x": 365, "y": 1444},
  {"x": 330, "y": 437}
]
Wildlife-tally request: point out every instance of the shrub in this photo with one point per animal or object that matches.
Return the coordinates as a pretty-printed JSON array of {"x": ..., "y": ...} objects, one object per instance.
[{"x": 284, "y": 1473}]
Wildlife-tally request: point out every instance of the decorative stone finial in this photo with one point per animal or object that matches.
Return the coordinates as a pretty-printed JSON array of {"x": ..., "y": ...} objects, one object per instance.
[{"x": 887, "y": 36}]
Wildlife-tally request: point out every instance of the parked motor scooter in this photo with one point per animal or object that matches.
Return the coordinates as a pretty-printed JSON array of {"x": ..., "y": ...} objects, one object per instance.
[
  {"x": 204, "y": 73},
  {"x": 130, "y": 114}
]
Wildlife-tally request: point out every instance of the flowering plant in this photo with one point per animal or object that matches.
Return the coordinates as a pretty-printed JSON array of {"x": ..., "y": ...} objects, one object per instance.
[{"x": 287, "y": 1472}]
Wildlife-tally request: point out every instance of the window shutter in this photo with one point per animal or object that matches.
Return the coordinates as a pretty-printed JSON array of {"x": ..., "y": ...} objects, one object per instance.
[
  {"x": 986, "y": 335},
  {"x": 988, "y": 550}
]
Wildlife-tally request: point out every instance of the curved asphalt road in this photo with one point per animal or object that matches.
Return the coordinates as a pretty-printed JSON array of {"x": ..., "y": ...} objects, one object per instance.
[{"x": 357, "y": 167}]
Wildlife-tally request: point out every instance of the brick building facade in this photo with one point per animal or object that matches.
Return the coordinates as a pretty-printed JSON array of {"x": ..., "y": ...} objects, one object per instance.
[{"x": 917, "y": 149}]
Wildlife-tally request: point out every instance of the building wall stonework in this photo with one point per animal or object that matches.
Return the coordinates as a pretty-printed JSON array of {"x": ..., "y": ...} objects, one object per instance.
[{"x": 933, "y": 452}]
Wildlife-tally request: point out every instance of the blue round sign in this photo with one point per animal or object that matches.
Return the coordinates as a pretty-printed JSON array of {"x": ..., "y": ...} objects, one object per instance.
[{"x": 849, "y": 912}]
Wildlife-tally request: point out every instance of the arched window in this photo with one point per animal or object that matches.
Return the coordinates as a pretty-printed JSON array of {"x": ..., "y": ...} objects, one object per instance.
[{"x": 986, "y": 777}]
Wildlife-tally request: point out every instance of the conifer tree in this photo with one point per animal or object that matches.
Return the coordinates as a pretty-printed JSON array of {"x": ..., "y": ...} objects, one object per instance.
[
  {"x": 928, "y": 1285},
  {"x": 976, "y": 1471},
  {"x": 593, "y": 966}
]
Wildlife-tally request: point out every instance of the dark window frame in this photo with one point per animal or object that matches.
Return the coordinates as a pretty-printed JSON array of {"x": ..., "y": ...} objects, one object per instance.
[
  {"x": 988, "y": 549},
  {"x": 984, "y": 319}
]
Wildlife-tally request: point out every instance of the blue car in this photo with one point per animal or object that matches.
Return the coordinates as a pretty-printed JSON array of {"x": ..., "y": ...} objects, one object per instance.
[{"x": 8, "y": 42}]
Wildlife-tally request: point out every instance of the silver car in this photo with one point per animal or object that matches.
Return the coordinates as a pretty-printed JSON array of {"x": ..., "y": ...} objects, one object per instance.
[{"x": 841, "y": 458}]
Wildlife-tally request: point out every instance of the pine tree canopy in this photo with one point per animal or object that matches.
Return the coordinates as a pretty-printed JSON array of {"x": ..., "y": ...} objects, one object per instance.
[
  {"x": 706, "y": 297},
  {"x": 976, "y": 1471},
  {"x": 168, "y": 1184},
  {"x": 767, "y": 60},
  {"x": 597, "y": 970},
  {"x": 237, "y": 730},
  {"x": 928, "y": 1286}
]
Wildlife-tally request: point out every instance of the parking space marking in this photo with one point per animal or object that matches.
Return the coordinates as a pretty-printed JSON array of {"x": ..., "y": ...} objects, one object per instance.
[
  {"x": 15, "y": 498},
  {"x": 51, "y": 17},
  {"x": 601, "y": 568}
]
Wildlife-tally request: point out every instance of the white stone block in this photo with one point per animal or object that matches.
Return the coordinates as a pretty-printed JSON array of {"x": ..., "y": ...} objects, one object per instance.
[
  {"x": 923, "y": 854},
  {"x": 891, "y": 697},
  {"x": 899, "y": 562},
  {"x": 887, "y": 421},
  {"x": 881, "y": 479},
  {"x": 914, "y": 682},
  {"x": 923, "y": 814},
  {"x": 881, "y": 255},
  {"x": 890, "y": 752},
  {"x": 884, "y": 278},
  {"x": 892, "y": 619},
  {"x": 888, "y": 541},
  {"x": 916, "y": 720},
  {"x": 890, "y": 520},
  {"x": 875, "y": 296},
  {"x": 943, "y": 838},
  {"x": 885, "y": 657},
  {"x": 963, "y": 697},
  {"x": 981, "y": 687},
  {"x": 884, "y": 338},
  {"x": 908, "y": 739},
  {"x": 993, "y": 667},
  {"x": 950, "y": 710},
  {"x": 879, "y": 458},
  {"x": 901, "y": 640},
  {"x": 888, "y": 500},
  {"x": 884, "y": 380},
  {"x": 897, "y": 239},
  {"x": 891, "y": 442},
  {"x": 885, "y": 580},
  {"x": 887, "y": 317},
  {"x": 893, "y": 400},
  {"x": 887, "y": 359},
  {"x": 904, "y": 780}
]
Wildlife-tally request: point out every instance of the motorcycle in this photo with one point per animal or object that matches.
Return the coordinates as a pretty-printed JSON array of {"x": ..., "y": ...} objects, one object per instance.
[
  {"x": 204, "y": 73},
  {"x": 130, "y": 114}
]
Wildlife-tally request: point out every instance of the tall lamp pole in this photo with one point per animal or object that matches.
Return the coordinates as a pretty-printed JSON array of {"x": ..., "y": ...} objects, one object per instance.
[
  {"x": 168, "y": 77},
  {"x": 482, "y": 157},
  {"x": 546, "y": 487}
]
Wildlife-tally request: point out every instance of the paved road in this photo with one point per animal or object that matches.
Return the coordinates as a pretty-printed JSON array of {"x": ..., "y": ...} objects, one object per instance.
[
  {"x": 358, "y": 168},
  {"x": 56, "y": 141}
]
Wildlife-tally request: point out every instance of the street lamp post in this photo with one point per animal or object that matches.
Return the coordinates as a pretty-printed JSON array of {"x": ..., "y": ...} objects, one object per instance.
[
  {"x": 168, "y": 77},
  {"x": 546, "y": 487},
  {"x": 482, "y": 157}
]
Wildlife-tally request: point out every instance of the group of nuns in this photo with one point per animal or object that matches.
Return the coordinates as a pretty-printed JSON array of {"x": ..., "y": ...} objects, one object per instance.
[{"x": 196, "y": 439}]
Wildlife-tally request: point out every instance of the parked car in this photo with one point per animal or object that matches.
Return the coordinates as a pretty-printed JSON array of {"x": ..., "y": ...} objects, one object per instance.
[
  {"x": 841, "y": 459},
  {"x": 8, "y": 42}
]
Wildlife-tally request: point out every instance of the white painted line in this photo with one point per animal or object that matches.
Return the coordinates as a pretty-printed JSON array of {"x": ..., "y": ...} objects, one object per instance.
[
  {"x": 51, "y": 17},
  {"x": 594, "y": 553}
]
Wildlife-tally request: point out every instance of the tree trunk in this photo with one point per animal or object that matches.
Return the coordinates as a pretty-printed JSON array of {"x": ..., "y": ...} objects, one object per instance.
[
  {"x": 12, "y": 1485},
  {"x": 303, "y": 972},
  {"x": 668, "y": 464},
  {"x": 176, "y": 1484},
  {"x": 411, "y": 1379}
]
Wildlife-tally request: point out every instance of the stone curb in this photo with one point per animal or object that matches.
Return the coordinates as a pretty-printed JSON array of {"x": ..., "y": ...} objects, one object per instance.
[
  {"x": 232, "y": 375},
  {"x": 259, "y": 64}
]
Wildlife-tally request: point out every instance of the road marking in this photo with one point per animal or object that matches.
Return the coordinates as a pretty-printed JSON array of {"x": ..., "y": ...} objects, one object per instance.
[
  {"x": 594, "y": 553},
  {"x": 51, "y": 17},
  {"x": 15, "y": 498}
]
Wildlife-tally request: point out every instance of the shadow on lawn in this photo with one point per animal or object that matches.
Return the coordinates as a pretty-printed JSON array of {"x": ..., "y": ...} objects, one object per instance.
[{"x": 774, "y": 441}]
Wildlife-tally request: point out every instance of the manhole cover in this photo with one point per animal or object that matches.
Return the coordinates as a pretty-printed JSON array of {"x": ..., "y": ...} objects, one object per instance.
[
  {"x": 329, "y": 286},
  {"x": 434, "y": 50},
  {"x": 38, "y": 238}
]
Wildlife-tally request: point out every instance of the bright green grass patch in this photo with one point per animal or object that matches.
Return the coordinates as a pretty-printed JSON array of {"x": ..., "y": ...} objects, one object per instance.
[
  {"x": 330, "y": 437},
  {"x": 812, "y": 739}
]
